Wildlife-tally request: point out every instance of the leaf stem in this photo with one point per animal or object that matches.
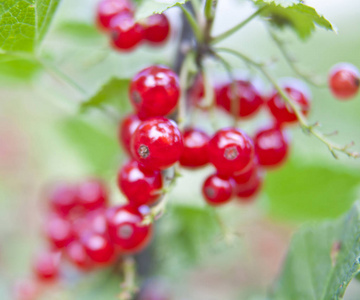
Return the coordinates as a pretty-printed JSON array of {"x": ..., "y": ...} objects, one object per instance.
[
  {"x": 309, "y": 128},
  {"x": 309, "y": 78},
  {"x": 209, "y": 9},
  {"x": 193, "y": 23},
  {"x": 128, "y": 287},
  {"x": 231, "y": 31}
]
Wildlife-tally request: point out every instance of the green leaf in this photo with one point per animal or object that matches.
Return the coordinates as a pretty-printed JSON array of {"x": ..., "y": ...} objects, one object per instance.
[
  {"x": 300, "y": 192},
  {"x": 97, "y": 148},
  {"x": 298, "y": 16},
  {"x": 13, "y": 68},
  {"x": 149, "y": 7},
  {"x": 283, "y": 3},
  {"x": 79, "y": 30},
  {"x": 322, "y": 260},
  {"x": 114, "y": 93},
  {"x": 24, "y": 23}
]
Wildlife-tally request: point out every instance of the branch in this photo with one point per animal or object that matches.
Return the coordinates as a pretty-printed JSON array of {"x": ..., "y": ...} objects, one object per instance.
[
  {"x": 311, "y": 129},
  {"x": 128, "y": 287}
]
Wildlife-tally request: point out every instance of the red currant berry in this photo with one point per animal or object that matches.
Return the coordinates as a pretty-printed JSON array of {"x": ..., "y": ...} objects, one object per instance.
[
  {"x": 59, "y": 231},
  {"x": 99, "y": 248},
  {"x": 244, "y": 176},
  {"x": 63, "y": 198},
  {"x": 26, "y": 290},
  {"x": 139, "y": 185},
  {"x": 154, "y": 91},
  {"x": 92, "y": 194},
  {"x": 157, "y": 143},
  {"x": 47, "y": 266},
  {"x": 126, "y": 34},
  {"x": 271, "y": 147},
  {"x": 108, "y": 9},
  {"x": 247, "y": 191},
  {"x": 76, "y": 254},
  {"x": 92, "y": 222},
  {"x": 217, "y": 190},
  {"x": 156, "y": 28},
  {"x": 126, "y": 230},
  {"x": 195, "y": 152},
  {"x": 344, "y": 81},
  {"x": 231, "y": 150},
  {"x": 247, "y": 101},
  {"x": 197, "y": 91},
  {"x": 127, "y": 128},
  {"x": 298, "y": 92}
]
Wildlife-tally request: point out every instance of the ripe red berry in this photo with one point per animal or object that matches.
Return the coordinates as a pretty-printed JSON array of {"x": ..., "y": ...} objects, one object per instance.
[
  {"x": 92, "y": 222},
  {"x": 139, "y": 185},
  {"x": 126, "y": 230},
  {"x": 108, "y": 9},
  {"x": 248, "y": 99},
  {"x": 156, "y": 28},
  {"x": 26, "y": 290},
  {"x": 63, "y": 198},
  {"x": 344, "y": 81},
  {"x": 231, "y": 150},
  {"x": 244, "y": 176},
  {"x": 47, "y": 266},
  {"x": 154, "y": 91},
  {"x": 59, "y": 231},
  {"x": 76, "y": 254},
  {"x": 247, "y": 191},
  {"x": 127, "y": 128},
  {"x": 218, "y": 190},
  {"x": 298, "y": 92},
  {"x": 92, "y": 194},
  {"x": 99, "y": 248},
  {"x": 271, "y": 147},
  {"x": 126, "y": 34},
  {"x": 195, "y": 152},
  {"x": 157, "y": 143}
]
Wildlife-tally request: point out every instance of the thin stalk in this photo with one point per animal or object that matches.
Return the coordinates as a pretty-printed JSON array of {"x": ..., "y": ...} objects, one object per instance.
[
  {"x": 193, "y": 23},
  {"x": 129, "y": 286},
  {"x": 208, "y": 9},
  {"x": 309, "y": 128},
  {"x": 231, "y": 31}
]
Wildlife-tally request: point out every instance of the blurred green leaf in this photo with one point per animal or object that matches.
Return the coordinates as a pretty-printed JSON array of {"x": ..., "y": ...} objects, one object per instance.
[
  {"x": 98, "y": 148},
  {"x": 79, "y": 30},
  {"x": 24, "y": 23},
  {"x": 113, "y": 93},
  {"x": 283, "y": 3},
  {"x": 322, "y": 260},
  {"x": 298, "y": 16},
  {"x": 149, "y": 7},
  {"x": 297, "y": 192},
  {"x": 17, "y": 69}
]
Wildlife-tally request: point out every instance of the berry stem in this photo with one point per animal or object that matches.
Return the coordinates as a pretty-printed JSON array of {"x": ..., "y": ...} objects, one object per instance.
[
  {"x": 309, "y": 78},
  {"x": 128, "y": 287},
  {"x": 193, "y": 23},
  {"x": 308, "y": 128},
  {"x": 210, "y": 99},
  {"x": 227, "y": 234},
  {"x": 231, "y": 31}
]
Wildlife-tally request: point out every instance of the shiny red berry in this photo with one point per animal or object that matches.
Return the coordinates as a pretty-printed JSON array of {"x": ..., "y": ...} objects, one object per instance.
[
  {"x": 126, "y": 34},
  {"x": 127, "y": 128},
  {"x": 92, "y": 194},
  {"x": 271, "y": 147},
  {"x": 231, "y": 150},
  {"x": 247, "y": 99},
  {"x": 76, "y": 254},
  {"x": 140, "y": 186},
  {"x": 126, "y": 230},
  {"x": 59, "y": 231},
  {"x": 195, "y": 152},
  {"x": 246, "y": 191},
  {"x": 92, "y": 222},
  {"x": 156, "y": 28},
  {"x": 244, "y": 176},
  {"x": 108, "y": 9},
  {"x": 157, "y": 143},
  {"x": 26, "y": 290},
  {"x": 344, "y": 81},
  {"x": 218, "y": 190},
  {"x": 154, "y": 91},
  {"x": 63, "y": 198},
  {"x": 99, "y": 248},
  {"x": 281, "y": 111},
  {"x": 47, "y": 266}
]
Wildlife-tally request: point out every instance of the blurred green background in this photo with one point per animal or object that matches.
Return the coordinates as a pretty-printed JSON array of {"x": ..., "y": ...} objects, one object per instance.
[{"x": 44, "y": 137}]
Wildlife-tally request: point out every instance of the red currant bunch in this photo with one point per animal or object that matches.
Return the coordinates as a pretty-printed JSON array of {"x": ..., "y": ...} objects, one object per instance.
[{"x": 117, "y": 18}]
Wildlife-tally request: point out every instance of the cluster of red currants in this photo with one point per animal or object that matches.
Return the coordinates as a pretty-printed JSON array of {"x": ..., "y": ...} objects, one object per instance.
[
  {"x": 83, "y": 230},
  {"x": 117, "y": 18}
]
